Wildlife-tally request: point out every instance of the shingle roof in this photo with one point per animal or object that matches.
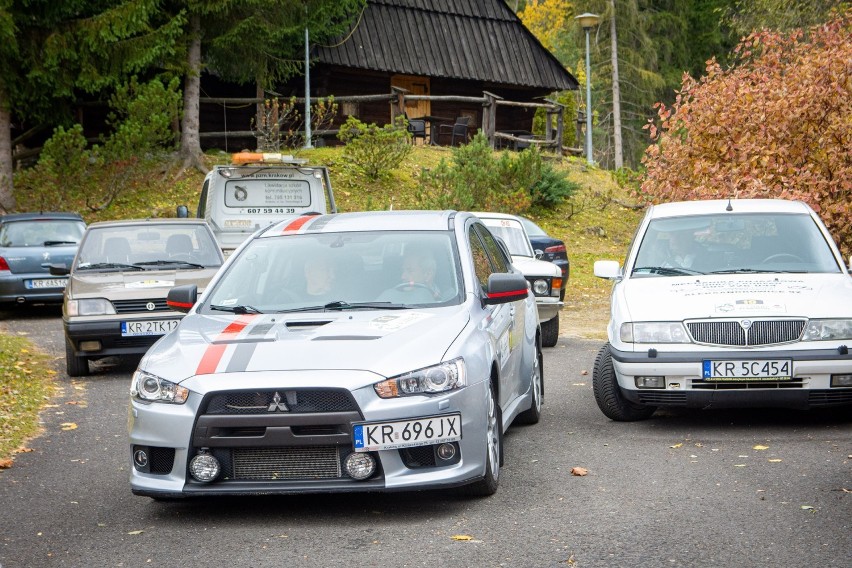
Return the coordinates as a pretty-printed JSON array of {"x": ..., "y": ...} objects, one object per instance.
[{"x": 459, "y": 39}]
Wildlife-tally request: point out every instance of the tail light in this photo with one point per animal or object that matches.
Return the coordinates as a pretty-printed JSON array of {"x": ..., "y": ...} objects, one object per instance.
[
  {"x": 3, "y": 264},
  {"x": 555, "y": 248}
]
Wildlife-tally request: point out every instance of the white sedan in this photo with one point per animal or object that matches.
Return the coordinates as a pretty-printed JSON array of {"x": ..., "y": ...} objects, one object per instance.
[{"x": 727, "y": 303}]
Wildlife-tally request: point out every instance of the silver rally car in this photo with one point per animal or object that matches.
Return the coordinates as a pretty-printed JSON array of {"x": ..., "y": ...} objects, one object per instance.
[
  {"x": 352, "y": 352},
  {"x": 727, "y": 303}
]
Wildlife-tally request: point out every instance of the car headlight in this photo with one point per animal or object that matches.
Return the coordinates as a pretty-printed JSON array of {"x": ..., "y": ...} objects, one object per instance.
[
  {"x": 90, "y": 307},
  {"x": 541, "y": 286},
  {"x": 151, "y": 388},
  {"x": 827, "y": 329},
  {"x": 439, "y": 378},
  {"x": 654, "y": 332}
]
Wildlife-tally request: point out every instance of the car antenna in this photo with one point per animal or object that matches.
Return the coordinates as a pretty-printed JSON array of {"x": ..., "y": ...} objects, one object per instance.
[{"x": 729, "y": 207}]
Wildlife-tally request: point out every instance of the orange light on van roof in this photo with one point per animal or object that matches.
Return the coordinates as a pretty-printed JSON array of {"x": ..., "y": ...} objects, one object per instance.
[{"x": 263, "y": 157}]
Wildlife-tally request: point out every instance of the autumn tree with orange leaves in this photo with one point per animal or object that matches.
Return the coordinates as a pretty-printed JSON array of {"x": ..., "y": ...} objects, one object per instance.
[{"x": 777, "y": 124}]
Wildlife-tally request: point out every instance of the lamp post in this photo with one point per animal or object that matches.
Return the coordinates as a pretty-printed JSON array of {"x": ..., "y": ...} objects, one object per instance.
[{"x": 587, "y": 22}]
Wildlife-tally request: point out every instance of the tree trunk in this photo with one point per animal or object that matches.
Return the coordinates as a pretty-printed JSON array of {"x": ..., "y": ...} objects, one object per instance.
[
  {"x": 7, "y": 197},
  {"x": 190, "y": 145},
  {"x": 616, "y": 96}
]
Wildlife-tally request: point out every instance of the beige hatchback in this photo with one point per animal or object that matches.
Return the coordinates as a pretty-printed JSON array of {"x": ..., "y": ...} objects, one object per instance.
[{"x": 115, "y": 300}]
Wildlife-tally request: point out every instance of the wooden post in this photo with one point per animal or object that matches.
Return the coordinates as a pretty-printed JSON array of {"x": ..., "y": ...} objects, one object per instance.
[
  {"x": 398, "y": 97},
  {"x": 489, "y": 126}
]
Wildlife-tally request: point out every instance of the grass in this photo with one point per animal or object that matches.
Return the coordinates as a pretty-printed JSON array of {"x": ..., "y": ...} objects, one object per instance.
[
  {"x": 26, "y": 382},
  {"x": 592, "y": 224}
]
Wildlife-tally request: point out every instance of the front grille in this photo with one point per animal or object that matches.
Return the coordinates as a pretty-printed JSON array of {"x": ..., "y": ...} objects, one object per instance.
[
  {"x": 278, "y": 464},
  {"x": 712, "y": 385},
  {"x": 760, "y": 332},
  {"x": 288, "y": 400},
  {"x": 162, "y": 459},
  {"x": 418, "y": 456},
  {"x": 830, "y": 397},
  {"x": 660, "y": 398},
  {"x": 135, "y": 306}
]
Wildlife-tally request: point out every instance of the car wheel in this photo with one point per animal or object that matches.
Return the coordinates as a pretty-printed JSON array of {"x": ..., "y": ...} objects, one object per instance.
[
  {"x": 550, "y": 332},
  {"x": 608, "y": 394},
  {"x": 493, "y": 450},
  {"x": 75, "y": 366},
  {"x": 533, "y": 415}
]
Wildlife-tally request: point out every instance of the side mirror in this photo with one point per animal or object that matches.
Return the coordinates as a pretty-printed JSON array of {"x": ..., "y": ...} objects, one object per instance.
[
  {"x": 58, "y": 270},
  {"x": 182, "y": 211},
  {"x": 608, "y": 269},
  {"x": 182, "y": 298},
  {"x": 504, "y": 288}
]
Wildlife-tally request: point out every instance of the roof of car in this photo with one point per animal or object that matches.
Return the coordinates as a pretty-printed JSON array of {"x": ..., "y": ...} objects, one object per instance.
[
  {"x": 41, "y": 215},
  {"x": 703, "y": 207},
  {"x": 490, "y": 215},
  {"x": 365, "y": 221},
  {"x": 162, "y": 221}
]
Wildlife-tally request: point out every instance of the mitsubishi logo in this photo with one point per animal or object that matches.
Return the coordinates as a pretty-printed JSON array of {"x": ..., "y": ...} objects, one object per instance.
[{"x": 277, "y": 404}]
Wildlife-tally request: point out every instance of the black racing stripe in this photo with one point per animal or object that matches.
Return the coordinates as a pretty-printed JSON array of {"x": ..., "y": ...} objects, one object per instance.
[{"x": 241, "y": 357}]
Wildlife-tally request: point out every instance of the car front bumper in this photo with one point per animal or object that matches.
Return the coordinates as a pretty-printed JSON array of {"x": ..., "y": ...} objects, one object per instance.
[
  {"x": 174, "y": 433},
  {"x": 684, "y": 385},
  {"x": 107, "y": 334},
  {"x": 548, "y": 308}
]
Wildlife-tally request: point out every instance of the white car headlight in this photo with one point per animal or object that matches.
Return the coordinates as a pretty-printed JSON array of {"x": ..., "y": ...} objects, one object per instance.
[
  {"x": 827, "y": 329},
  {"x": 439, "y": 378},
  {"x": 151, "y": 388},
  {"x": 654, "y": 332},
  {"x": 90, "y": 307},
  {"x": 541, "y": 286}
]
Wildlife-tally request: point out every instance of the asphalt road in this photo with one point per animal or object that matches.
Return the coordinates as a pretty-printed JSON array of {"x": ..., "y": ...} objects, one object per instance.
[{"x": 681, "y": 489}]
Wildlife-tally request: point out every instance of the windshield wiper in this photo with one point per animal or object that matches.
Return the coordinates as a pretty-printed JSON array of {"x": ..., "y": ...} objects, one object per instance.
[
  {"x": 340, "y": 305},
  {"x": 103, "y": 265},
  {"x": 170, "y": 262},
  {"x": 53, "y": 243},
  {"x": 243, "y": 309},
  {"x": 669, "y": 270}
]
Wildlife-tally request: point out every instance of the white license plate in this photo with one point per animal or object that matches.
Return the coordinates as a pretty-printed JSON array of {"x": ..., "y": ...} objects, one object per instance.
[
  {"x": 751, "y": 370},
  {"x": 147, "y": 327},
  {"x": 374, "y": 436},
  {"x": 47, "y": 283}
]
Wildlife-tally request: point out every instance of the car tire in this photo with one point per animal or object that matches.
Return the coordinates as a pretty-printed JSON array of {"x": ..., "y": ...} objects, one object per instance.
[
  {"x": 608, "y": 394},
  {"x": 493, "y": 450},
  {"x": 75, "y": 366},
  {"x": 550, "y": 332},
  {"x": 533, "y": 414}
]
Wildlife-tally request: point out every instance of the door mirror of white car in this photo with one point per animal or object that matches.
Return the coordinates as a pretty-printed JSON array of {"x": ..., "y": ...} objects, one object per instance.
[{"x": 608, "y": 269}]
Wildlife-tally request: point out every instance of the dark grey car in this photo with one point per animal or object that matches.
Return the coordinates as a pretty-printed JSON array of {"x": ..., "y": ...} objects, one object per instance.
[{"x": 29, "y": 244}]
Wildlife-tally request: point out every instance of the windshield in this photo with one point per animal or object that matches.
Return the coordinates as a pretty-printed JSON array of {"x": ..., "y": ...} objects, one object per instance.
[
  {"x": 731, "y": 243},
  {"x": 148, "y": 246},
  {"x": 41, "y": 232},
  {"x": 340, "y": 271},
  {"x": 512, "y": 233}
]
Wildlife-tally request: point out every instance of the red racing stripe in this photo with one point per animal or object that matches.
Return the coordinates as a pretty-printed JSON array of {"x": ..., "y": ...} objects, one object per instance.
[
  {"x": 296, "y": 224},
  {"x": 213, "y": 354}
]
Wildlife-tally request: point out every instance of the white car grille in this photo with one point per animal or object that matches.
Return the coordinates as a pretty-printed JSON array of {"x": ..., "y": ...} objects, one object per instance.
[{"x": 757, "y": 333}]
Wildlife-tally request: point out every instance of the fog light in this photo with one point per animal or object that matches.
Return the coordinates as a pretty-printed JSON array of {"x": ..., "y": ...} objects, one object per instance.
[
  {"x": 650, "y": 382},
  {"x": 140, "y": 458},
  {"x": 90, "y": 346},
  {"x": 841, "y": 380},
  {"x": 446, "y": 451},
  {"x": 360, "y": 465},
  {"x": 204, "y": 467}
]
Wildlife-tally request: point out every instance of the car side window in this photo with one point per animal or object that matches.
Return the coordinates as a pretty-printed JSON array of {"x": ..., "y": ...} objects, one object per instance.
[
  {"x": 498, "y": 258},
  {"x": 481, "y": 264}
]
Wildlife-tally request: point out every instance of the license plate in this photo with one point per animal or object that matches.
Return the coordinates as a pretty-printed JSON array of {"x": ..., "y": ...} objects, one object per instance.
[
  {"x": 751, "y": 370},
  {"x": 147, "y": 327},
  {"x": 375, "y": 436},
  {"x": 47, "y": 283}
]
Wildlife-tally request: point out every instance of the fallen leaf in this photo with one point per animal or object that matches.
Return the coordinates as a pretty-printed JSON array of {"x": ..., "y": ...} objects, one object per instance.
[
  {"x": 760, "y": 448},
  {"x": 579, "y": 471},
  {"x": 579, "y": 384},
  {"x": 136, "y": 532},
  {"x": 584, "y": 372},
  {"x": 775, "y": 460},
  {"x": 5, "y": 464},
  {"x": 677, "y": 445},
  {"x": 24, "y": 450},
  {"x": 739, "y": 465},
  {"x": 807, "y": 508},
  {"x": 68, "y": 426},
  {"x": 461, "y": 537}
]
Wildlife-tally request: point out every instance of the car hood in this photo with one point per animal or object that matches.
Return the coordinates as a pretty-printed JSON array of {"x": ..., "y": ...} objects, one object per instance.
[
  {"x": 384, "y": 342},
  {"x": 750, "y": 296},
  {"x": 132, "y": 285},
  {"x": 535, "y": 267}
]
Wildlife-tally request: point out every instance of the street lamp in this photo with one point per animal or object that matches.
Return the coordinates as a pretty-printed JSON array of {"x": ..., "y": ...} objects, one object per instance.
[{"x": 587, "y": 22}]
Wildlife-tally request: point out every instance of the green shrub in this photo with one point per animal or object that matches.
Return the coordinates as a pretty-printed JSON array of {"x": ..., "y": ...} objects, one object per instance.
[
  {"x": 476, "y": 179},
  {"x": 372, "y": 149},
  {"x": 143, "y": 119}
]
